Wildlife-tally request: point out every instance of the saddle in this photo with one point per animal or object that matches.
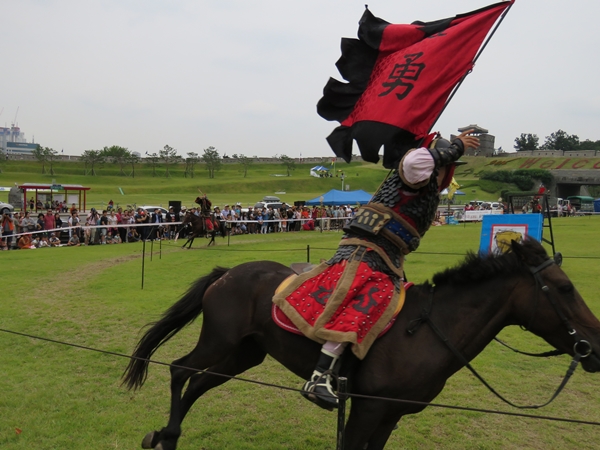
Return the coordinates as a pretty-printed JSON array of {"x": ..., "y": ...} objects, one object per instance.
[
  {"x": 285, "y": 323},
  {"x": 300, "y": 268}
]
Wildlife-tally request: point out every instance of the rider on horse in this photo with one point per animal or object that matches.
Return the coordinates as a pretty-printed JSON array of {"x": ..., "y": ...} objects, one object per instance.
[
  {"x": 354, "y": 295},
  {"x": 206, "y": 211}
]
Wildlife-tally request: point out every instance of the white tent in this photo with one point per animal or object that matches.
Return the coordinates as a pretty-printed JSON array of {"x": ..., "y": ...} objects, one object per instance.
[{"x": 445, "y": 192}]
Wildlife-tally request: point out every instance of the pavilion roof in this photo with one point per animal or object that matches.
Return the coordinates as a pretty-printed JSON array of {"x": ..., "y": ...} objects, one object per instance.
[{"x": 66, "y": 187}]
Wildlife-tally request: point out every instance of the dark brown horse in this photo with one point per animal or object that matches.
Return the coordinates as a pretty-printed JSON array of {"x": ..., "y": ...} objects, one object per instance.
[
  {"x": 194, "y": 226},
  {"x": 470, "y": 304}
]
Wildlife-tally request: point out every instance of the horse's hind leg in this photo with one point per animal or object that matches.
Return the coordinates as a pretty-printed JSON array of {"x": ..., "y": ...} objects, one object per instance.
[{"x": 247, "y": 355}]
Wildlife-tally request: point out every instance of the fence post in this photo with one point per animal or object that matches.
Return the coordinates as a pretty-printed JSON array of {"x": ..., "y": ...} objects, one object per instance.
[
  {"x": 307, "y": 253},
  {"x": 341, "y": 422},
  {"x": 143, "y": 258}
]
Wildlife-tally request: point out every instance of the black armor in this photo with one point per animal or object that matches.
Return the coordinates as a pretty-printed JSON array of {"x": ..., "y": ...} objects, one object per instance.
[
  {"x": 387, "y": 220},
  {"x": 445, "y": 153}
]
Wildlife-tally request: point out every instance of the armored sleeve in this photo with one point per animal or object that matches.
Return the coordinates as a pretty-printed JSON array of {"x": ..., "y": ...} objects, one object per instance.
[{"x": 445, "y": 156}]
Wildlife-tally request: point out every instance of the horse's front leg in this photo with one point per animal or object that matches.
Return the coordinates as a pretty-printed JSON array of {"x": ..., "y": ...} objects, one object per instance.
[
  {"x": 369, "y": 425},
  {"x": 191, "y": 241},
  {"x": 382, "y": 433}
]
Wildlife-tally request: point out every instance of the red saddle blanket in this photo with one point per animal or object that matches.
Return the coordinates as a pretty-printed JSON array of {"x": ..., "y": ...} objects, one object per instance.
[{"x": 283, "y": 322}]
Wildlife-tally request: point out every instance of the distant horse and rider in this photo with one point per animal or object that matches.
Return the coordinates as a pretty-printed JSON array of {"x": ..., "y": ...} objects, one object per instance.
[
  {"x": 206, "y": 224},
  {"x": 450, "y": 321}
]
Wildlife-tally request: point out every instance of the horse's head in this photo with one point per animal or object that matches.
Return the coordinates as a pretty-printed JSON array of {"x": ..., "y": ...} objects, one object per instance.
[
  {"x": 195, "y": 223},
  {"x": 551, "y": 307},
  {"x": 188, "y": 218}
]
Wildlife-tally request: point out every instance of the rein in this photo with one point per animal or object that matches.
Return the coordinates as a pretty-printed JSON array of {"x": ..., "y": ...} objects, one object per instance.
[
  {"x": 581, "y": 348},
  {"x": 537, "y": 355}
]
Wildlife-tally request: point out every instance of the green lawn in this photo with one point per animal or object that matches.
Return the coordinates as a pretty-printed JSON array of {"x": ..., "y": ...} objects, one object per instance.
[{"x": 66, "y": 398}]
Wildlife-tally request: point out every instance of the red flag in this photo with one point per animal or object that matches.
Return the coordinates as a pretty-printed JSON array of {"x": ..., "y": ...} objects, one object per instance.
[{"x": 399, "y": 79}]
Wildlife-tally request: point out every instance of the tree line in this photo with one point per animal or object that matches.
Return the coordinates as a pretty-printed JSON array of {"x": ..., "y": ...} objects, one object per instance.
[
  {"x": 166, "y": 158},
  {"x": 559, "y": 140}
]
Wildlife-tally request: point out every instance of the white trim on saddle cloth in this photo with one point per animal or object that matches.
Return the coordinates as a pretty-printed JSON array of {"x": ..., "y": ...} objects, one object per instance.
[{"x": 283, "y": 322}]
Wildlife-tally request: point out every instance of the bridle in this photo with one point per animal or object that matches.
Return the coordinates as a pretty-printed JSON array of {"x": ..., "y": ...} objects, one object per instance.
[{"x": 581, "y": 347}]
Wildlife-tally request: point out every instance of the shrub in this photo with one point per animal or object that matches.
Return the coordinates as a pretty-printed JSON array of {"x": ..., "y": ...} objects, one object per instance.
[
  {"x": 523, "y": 178},
  {"x": 491, "y": 186}
]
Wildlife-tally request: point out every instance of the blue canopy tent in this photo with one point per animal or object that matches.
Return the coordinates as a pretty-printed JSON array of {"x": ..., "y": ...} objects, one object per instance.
[
  {"x": 318, "y": 171},
  {"x": 338, "y": 198}
]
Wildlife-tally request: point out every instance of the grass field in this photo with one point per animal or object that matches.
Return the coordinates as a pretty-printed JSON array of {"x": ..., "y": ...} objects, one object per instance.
[{"x": 60, "y": 397}]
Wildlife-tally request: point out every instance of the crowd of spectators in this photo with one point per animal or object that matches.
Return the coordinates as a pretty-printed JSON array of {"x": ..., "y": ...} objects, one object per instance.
[
  {"x": 284, "y": 219},
  {"x": 55, "y": 205},
  {"x": 46, "y": 230},
  {"x": 25, "y": 230}
]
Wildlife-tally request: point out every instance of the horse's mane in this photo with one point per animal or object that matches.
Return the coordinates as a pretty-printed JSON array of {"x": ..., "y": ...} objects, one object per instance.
[{"x": 476, "y": 268}]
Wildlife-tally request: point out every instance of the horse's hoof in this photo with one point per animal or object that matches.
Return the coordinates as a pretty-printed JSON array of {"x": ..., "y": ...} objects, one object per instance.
[{"x": 147, "y": 441}]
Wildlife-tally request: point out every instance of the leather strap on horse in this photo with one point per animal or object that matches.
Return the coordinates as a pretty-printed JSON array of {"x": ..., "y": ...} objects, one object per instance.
[
  {"x": 537, "y": 355},
  {"x": 425, "y": 318}
]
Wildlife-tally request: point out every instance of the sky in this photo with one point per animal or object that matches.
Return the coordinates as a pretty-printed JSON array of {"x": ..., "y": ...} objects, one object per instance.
[{"x": 244, "y": 76}]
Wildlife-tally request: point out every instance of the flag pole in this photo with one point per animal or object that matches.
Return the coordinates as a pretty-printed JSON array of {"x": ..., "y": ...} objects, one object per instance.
[{"x": 471, "y": 69}]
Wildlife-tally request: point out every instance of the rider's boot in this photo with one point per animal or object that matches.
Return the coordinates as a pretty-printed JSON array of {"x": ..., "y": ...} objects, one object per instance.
[{"x": 318, "y": 388}]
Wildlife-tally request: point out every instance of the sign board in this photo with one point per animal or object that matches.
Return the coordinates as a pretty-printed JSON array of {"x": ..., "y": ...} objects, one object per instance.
[
  {"x": 477, "y": 215},
  {"x": 57, "y": 187},
  {"x": 497, "y": 232}
]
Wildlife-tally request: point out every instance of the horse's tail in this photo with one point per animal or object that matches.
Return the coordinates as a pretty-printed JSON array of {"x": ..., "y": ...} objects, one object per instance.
[{"x": 182, "y": 313}]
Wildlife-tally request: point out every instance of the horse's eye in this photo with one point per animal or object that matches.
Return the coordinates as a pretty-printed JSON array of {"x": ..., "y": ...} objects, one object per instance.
[{"x": 566, "y": 289}]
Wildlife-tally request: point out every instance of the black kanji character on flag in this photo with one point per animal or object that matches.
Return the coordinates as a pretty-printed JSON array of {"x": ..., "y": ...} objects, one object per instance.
[{"x": 402, "y": 74}]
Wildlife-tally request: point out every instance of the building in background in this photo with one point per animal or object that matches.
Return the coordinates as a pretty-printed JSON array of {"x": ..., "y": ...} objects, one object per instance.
[
  {"x": 486, "y": 141},
  {"x": 13, "y": 143}
]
